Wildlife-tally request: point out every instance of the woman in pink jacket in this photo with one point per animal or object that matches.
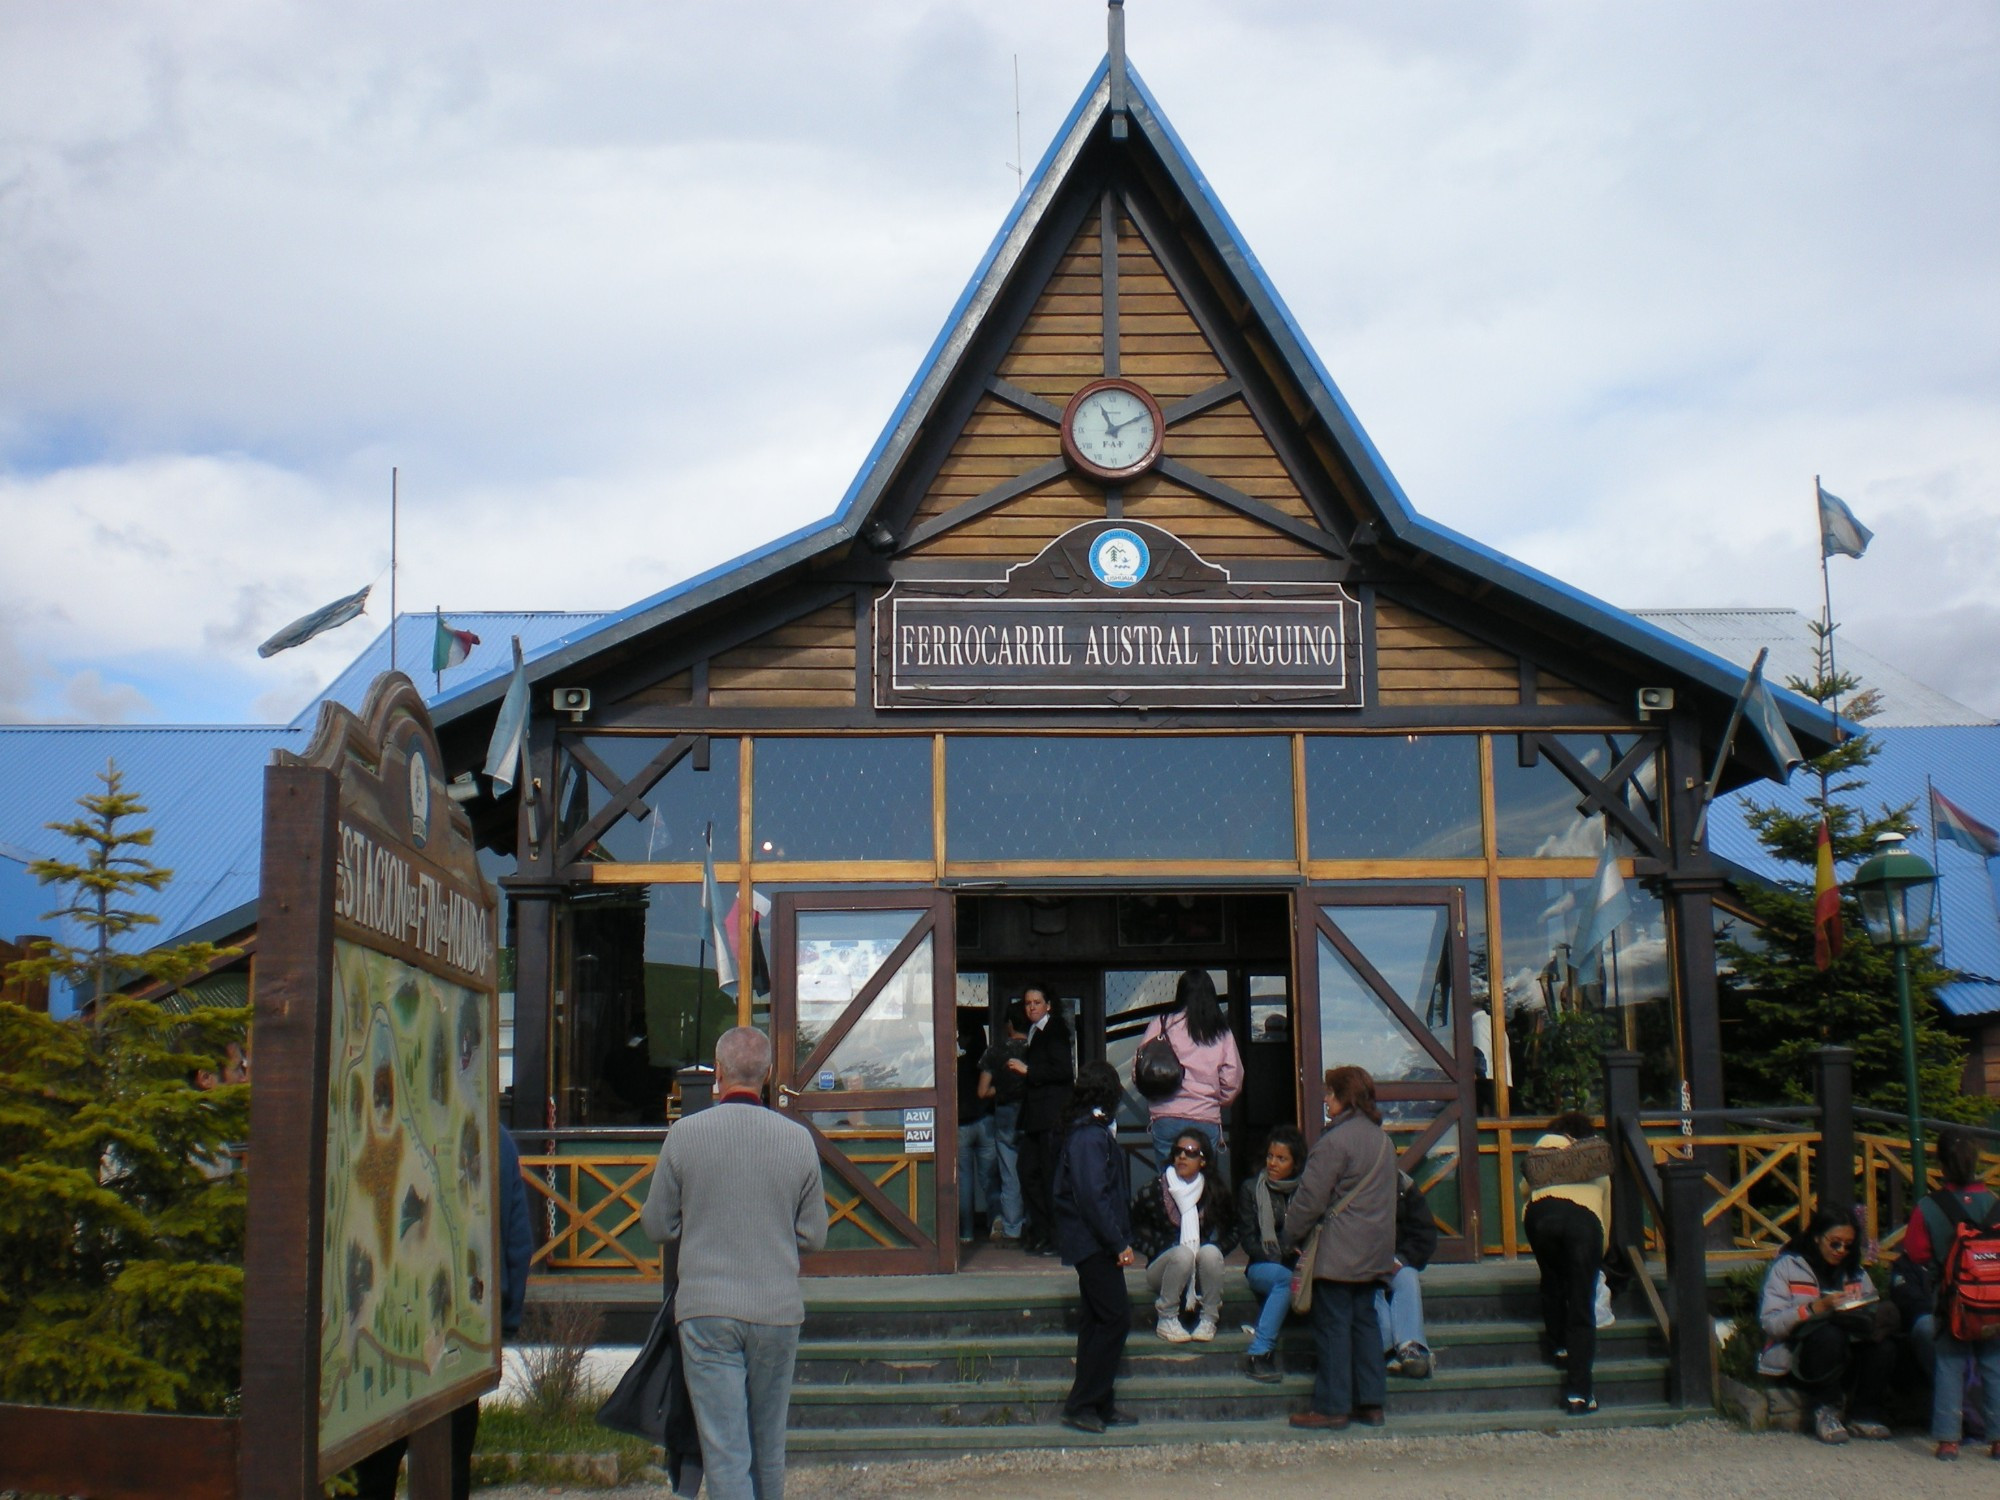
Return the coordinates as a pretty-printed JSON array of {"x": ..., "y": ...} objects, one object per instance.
[{"x": 1211, "y": 1068}]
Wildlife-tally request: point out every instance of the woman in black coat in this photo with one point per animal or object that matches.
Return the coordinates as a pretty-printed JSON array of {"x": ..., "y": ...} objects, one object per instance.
[
  {"x": 1047, "y": 1065},
  {"x": 1093, "y": 1232}
]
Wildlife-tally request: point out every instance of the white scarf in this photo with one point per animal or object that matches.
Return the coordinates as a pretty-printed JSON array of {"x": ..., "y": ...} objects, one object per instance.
[{"x": 1187, "y": 1198}]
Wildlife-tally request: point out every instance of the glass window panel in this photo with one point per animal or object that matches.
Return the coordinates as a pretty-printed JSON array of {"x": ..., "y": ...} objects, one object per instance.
[
  {"x": 1535, "y": 807},
  {"x": 848, "y": 797},
  {"x": 1270, "y": 1010},
  {"x": 679, "y": 808},
  {"x": 837, "y": 953},
  {"x": 893, "y": 1045},
  {"x": 1356, "y": 1028},
  {"x": 685, "y": 1011},
  {"x": 1130, "y": 797},
  {"x": 1406, "y": 944},
  {"x": 1140, "y": 995},
  {"x": 1393, "y": 796}
]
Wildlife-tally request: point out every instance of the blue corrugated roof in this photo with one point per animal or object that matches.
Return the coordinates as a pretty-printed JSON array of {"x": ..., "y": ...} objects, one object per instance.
[
  {"x": 203, "y": 789},
  {"x": 1964, "y": 763},
  {"x": 416, "y": 634}
]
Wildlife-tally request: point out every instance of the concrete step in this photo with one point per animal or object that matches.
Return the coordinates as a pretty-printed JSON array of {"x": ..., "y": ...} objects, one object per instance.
[
  {"x": 878, "y": 1444},
  {"x": 1201, "y": 1397}
]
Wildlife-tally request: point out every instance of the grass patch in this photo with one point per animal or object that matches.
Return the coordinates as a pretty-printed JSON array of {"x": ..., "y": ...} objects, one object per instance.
[{"x": 551, "y": 1444}]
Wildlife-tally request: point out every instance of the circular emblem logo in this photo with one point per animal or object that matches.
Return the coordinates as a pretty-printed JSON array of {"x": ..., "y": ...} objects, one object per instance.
[
  {"x": 420, "y": 798},
  {"x": 1119, "y": 558}
]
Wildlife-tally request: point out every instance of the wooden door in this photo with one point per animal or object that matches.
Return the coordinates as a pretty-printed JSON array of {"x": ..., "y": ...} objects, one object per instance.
[
  {"x": 863, "y": 1009},
  {"x": 1384, "y": 983}
]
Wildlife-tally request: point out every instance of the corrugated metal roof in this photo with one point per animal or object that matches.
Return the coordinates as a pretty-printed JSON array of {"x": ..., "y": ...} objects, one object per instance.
[
  {"x": 203, "y": 790},
  {"x": 1737, "y": 635},
  {"x": 415, "y": 636},
  {"x": 1964, "y": 763}
]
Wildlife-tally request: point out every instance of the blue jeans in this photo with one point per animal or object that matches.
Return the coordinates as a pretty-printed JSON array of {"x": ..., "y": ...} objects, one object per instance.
[
  {"x": 1166, "y": 1127},
  {"x": 1399, "y": 1311},
  {"x": 1271, "y": 1284},
  {"x": 1352, "y": 1373},
  {"x": 739, "y": 1378},
  {"x": 1007, "y": 1148},
  {"x": 1948, "y": 1386},
  {"x": 978, "y": 1172}
]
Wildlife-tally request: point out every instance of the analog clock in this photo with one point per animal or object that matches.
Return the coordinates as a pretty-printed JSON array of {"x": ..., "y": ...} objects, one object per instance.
[{"x": 1111, "y": 430}]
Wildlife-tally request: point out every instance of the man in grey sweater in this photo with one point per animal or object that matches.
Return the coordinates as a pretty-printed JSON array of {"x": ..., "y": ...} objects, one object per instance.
[{"x": 737, "y": 1193}]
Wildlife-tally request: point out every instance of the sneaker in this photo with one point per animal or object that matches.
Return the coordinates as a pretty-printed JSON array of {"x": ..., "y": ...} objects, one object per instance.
[
  {"x": 1583, "y": 1406},
  {"x": 1204, "y": 1330},
  {"x": 1263, "y": 1368},
  {"x": 1827, "y": 1426},
  {"x": 1173, "y": 1330},
  {"x": 1873, "y": 1432},
  {"x": 1947, "y": 1451},
  {"x": 1413, "y": 1362},
  {"x": 1559, "y": 1357}
]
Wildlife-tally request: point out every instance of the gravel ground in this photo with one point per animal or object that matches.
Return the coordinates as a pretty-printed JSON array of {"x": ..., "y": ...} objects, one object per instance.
[{"x": 1711, "y": 1460}]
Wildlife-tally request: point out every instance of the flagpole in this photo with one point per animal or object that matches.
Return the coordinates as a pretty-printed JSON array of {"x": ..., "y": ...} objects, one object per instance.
[
  {"x": 436, "y": 670},
  {"x": 392, "y": 567},
  {"x": 1826, "y": 620},
  {"x": 1728, "y": 739},
  {"x": 1930, "y": 811},
  {"x": 708, "y": 924}
]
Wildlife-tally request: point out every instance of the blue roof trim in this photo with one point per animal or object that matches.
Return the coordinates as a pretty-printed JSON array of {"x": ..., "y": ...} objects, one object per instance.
[{"x": 802, "y": 543}]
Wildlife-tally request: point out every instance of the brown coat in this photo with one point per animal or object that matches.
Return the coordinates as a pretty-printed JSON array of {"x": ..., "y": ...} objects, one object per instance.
[{"x": 1360, "y": 1245}]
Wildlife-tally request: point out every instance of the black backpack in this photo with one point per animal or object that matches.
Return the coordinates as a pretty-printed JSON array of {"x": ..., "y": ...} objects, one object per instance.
[{"x": 1157, "y": 1070}]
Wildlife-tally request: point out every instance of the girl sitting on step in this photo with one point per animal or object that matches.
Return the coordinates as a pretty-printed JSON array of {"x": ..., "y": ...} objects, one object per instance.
[
  {"x": 1184, "y": 1224},
  {"x": 1260, "y": 1221}
]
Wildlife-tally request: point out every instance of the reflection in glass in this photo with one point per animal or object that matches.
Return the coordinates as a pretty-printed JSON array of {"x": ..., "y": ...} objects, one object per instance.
[
  {"x": 836, "y": 953},
  {"x": 1406, "y": 944},
  {"x": 893, "y": 1045},
  {"x": 1393, "y": 796},
  {"x": 1132, "y": 997},
  {"x": 677, "y": 810},
  {"x": 848, "y": 797},
  {"x": 1270, "y": 1009},
  {"x": 1535, "y": 807},
  {"x": 1356, "y": 1028},
  {"x": 1130, "y": 797}
]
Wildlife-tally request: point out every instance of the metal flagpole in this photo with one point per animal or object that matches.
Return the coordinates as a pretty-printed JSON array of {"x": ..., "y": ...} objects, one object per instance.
[
  {"x": 392, "y": 569},
  {"x": 707, "y": 926},
  {"x": 437, "y": 670},
  {"x": 1826, "y": 621},
  {"x": 1930, "y": 811}
]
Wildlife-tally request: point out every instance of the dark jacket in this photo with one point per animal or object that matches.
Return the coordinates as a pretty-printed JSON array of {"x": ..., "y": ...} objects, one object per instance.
[
  {"x": 1359, "y": 1246},
  {"x": 1051, "y": 1070},
  {"x": 517, "y": 1237},
  {"x": 1156, "y": 1222},
  {"x": 1090, "y": 1192},
  {"x": 1416, "y": 1227},
  {"x": 1248, "y": 1234}
]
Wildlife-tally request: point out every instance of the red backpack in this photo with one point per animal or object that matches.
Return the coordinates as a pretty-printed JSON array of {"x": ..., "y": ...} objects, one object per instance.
[{"x": 1969, "y": 1293}]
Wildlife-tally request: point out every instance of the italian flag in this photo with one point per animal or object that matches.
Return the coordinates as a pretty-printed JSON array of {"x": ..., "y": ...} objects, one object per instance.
[
  {"x": 1827, "y": 935},
  {"x": 451, "y": 647}
]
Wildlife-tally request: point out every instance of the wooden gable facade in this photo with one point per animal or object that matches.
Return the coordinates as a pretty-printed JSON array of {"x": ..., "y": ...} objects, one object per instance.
[{"x": 1117, "y": 264}]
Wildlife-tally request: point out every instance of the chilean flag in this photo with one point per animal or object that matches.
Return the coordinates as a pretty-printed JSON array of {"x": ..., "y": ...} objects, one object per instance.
[{"x": 1828, "y": 937}]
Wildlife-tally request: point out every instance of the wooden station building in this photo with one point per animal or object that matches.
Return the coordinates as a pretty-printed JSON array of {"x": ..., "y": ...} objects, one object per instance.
[{"x": 1124, "y": 653}]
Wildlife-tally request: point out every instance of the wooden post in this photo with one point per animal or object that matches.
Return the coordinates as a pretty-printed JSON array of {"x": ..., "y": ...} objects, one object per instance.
[
  {"x": 430, "y": 1460},
  {"x": 1621, "y": 1102},
  {"x": 1833, "y": 1087},
  {"x": 534, "y": 992},
  {"x": 1690, "y": 1375},
  {"x": 278, "y": 1455}
]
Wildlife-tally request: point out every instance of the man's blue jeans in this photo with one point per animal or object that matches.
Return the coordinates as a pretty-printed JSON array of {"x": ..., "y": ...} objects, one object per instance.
[
  {"x": 1400, "y": 1312},
  {"x": 1271, "y": 1284},
  {"x": 1007, "y": 1147},
  {"x": 978, "y": 1172},
  {"x": 739, "y": 1378}
]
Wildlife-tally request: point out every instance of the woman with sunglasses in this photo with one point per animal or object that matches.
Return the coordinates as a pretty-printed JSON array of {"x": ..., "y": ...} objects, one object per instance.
[
  {"x": 1826, "y": 1332},
  {"x": 1184, "y": 1224}
]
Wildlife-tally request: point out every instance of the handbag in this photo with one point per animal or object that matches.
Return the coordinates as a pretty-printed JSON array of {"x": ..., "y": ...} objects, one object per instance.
[
  {"x": 1302, "y": 1277},
  {"x": 651, "y": 1402},
  {"x": 1156, "y": 1071},
  {"x": 1580, "y": 1161}
]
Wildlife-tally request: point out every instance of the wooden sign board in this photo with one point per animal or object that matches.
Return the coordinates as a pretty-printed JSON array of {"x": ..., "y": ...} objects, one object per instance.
[
  {"x": 1117, "y": 614},
  {"x": 372, "y": 1267}
]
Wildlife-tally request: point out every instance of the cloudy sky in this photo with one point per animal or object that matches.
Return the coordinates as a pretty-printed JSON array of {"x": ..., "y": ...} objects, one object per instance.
[{"x": 625, "y": 289}]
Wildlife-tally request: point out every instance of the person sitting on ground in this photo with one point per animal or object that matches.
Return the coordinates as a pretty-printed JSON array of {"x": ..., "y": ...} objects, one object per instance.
[
  {"x": 1568, "y": 1225},
  {"x": 1184, "y": 1224},
  {"x": 1260, "y": 1225},
  {"x": 1093, "y": 1230},
  {"x": 1964, "y": 1199},
  {"x": 1211, "y": 1068},
  {"x": 1399, "y": 1307},
  {"x": 1825, "y": 1331}
]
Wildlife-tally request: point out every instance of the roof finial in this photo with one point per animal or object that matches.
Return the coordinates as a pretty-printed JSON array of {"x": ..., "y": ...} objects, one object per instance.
[{"x": 1116, "y": 20}]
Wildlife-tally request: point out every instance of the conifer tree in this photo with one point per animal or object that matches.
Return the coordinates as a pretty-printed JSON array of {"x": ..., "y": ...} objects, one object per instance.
[
  {"x": 121, "y": 1227},
  {"x": 1783, "y": 1006}
]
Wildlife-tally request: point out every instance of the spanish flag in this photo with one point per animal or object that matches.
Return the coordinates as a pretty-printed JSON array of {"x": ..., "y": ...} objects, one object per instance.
[{"x": 1827, "y": 936}]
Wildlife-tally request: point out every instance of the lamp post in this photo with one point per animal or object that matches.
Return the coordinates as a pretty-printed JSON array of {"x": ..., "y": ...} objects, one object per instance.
[{"x": 1897, "y": 890}]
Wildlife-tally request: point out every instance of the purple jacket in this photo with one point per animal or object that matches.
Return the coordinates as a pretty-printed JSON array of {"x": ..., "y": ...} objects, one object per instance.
[{"x": 1211, "y": 1076}]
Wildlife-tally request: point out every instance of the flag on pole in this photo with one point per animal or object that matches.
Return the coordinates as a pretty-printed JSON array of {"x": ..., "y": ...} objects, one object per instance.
[
  {"x": 1608, "y": 906},
  {"x": 1839, "y": 531},
  {"x": 1761, "y": 709},
  {"x": 450, "y": 647},
  {"x": 505, "y": 751},
  {"x": 721, "y": 935},
  {"x": 1955, "y": 825},
  {"x": 319, "y": 622},
  {"x": 760, "y": 912},
  {"x": 1828, "y": 937}
]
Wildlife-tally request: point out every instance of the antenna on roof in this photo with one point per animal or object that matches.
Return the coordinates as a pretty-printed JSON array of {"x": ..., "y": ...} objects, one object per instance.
[
  {"x": 1020, "y": 175},
  {"x": 1116, "y": 22},
  {"x": 392, "y": 569}
]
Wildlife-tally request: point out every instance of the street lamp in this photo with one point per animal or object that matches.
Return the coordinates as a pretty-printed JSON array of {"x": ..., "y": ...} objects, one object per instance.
[{"x": 1896, "y": 889}]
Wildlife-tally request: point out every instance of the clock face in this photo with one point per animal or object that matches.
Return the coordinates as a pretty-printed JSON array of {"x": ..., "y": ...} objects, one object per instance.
[{"x": 1112, "y": 429}]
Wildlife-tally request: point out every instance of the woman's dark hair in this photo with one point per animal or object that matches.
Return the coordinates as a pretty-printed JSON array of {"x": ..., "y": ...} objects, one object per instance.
[
  {"x": 1826, "y": 1216},
  {"x": 1194, "y": 998},
  {"x": 1210, "y": 1172},
  {"x": 1097, "y": 1086},
  {"x": 1574, "y": 1123},
  {"x": 1958, "y": 1157},
  {"x": 1292, "y": 1139},
  {"x": 1017, "y": 1016},
  {"x": 1355, "y": 1089}
]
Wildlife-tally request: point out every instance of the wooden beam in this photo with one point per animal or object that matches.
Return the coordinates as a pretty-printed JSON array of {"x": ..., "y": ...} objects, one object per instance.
[
  {"x": 118, "y": 1455},
  {"x": 1201, "y": 401},
  {"x": 1107, "y": 258},
  {"x": 625, "y": 797},
  {"x": 1256, "y": 509},
  {"x": 1026, "y": 401},
  {"x": 978, "y": 505}
]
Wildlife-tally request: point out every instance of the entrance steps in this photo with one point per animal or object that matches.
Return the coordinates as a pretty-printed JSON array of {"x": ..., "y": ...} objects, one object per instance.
[{"x": 894, "y": 1366}]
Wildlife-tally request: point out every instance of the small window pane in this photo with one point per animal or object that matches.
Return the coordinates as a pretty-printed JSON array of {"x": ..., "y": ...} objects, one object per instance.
[
  {"x": 837, "y": 953},
  {"x": 893, "y": 1045},
  {"x": 1135, "y": 797},
  {"x": 852, "y": 797},
  {"x": 679, "y": 808},
  {"x": 1356, "y": 1028},
  {"x": 1406, "y": 944},
  {"x": 1535, "y": 807},
  {"x": 1393, "y": 796}
]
